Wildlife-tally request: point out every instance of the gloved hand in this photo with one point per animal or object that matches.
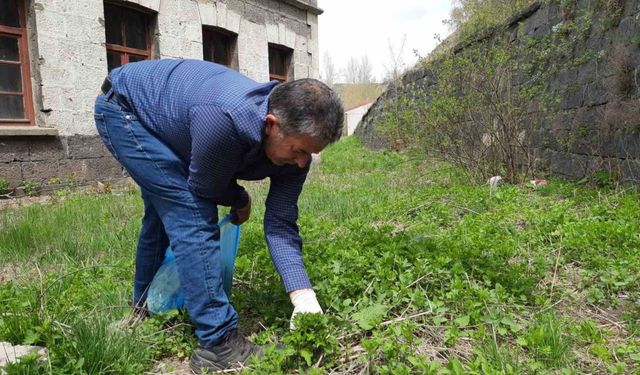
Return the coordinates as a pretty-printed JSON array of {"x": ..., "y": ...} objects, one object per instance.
[
  {"x": 240, "y": 215},
  {"x": 304, "y": 301}
]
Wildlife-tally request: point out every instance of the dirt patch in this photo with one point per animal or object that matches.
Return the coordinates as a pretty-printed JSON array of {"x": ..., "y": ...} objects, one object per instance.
[
  {"x": 573, "y": 305},
  {"x": 9, "y": 272},
  {"x": 112, "y": 187},
  {"x": 171, "y": 367}
]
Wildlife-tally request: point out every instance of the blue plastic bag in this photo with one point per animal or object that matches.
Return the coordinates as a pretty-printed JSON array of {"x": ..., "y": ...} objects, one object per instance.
[{"x": 165, "y": 293}]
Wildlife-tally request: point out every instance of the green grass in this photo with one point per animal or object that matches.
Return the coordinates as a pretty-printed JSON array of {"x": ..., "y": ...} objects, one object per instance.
[{"x": 418, "y": 271}]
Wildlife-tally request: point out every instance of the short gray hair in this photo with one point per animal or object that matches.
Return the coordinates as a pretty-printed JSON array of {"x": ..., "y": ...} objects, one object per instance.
[{"x": 308, "y": 107}]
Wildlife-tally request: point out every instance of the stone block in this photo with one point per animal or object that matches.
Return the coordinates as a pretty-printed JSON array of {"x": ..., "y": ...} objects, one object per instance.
[
  {"x": 14, "y": 149},
  {"x": 46, "y": 148},
  {"x": 86, "y": 147},
  {"x": 566, "y": 76},
  {"x": 595, "y": 94},
  {"x": 628, "y": 144},
  {"x": 282, "y": 32},
  {"x": 221, "y": 14},
  {"x": 208, "y": 13},
  {"x": 233, "y": 22},
  {"x": 587, "y": 73},
  {"x": 290, "y": 37},
  {"x": 40, "y": 171},
  {"x": 554, "y": 14},
  {"x": 587, "y": 118},
  {"x": 236, "y": 6},
  {"x": 103, "y": 168},
  {"x": 150, "y": 4},
  {"x": 300, "y": 71},
  {"x": 623, "y": 114},
  {"x": 272, "y": 33},
  {"x": 72, "y": 169},
  {"x": 560, "y": 121},
  {"x": 568, "y": 165},
  {"x": 628, "y": 29},
  {"x": 272, "y": 5},
  {"x": 536, "y": 21},
  {"x": 631, "y": 170},
  {"x": 631, "y": 8},
  {"x": 254, "y": 14},
  {"x": 292, "y": 12},
  {"x": 12, "y": 173},
  {"x": 571, "y": 98}
]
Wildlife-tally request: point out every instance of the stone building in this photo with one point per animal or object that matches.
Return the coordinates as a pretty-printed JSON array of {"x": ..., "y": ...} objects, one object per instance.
[{"x": 54, "y": 54}]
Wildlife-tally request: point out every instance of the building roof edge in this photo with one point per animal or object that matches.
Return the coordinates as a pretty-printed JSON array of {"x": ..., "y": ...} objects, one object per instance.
[{"x": 304, "y": 6}]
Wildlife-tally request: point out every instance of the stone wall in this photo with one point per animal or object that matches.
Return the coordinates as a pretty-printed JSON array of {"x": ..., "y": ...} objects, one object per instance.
[
  {"x": 595, "y": 127},
  {"x": 68, "y": 65}
]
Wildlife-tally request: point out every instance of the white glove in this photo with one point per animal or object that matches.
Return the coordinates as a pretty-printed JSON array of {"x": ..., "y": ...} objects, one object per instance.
[{"x": 304, "y": 301}]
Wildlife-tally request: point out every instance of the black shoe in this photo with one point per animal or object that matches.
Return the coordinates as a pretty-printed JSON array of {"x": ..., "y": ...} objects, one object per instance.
[{"x": 231, "y": 353}]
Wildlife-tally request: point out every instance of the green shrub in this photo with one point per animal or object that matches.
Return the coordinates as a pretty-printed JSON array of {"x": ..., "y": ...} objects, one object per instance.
[{"x": 4, "y": 185}]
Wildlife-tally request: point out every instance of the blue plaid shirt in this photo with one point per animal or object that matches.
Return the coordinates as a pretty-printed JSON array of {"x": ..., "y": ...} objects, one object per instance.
[{"x": 213, "y": 118}]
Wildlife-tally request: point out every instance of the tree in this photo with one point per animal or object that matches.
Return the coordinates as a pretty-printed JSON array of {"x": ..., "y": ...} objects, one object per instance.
[
  {"x": 359, "y": 71},
  {"x": 396, "y": 66},
  {"x": 365, "y": 70},
  {"x": 330, "y": 74},
  {"x": 351, "y": 74}
]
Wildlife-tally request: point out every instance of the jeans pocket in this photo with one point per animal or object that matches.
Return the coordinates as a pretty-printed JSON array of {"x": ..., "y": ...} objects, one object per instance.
[
  {"x": 101, "y": 125},
  {"x": 133, "y": 125}
]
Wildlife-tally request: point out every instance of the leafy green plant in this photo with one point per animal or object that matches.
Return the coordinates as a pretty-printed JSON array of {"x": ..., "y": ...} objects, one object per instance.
[
  {"x": 4, "y": 185},
  {"x": 54, "y": 181},
  {"x": 312, "y": 338},
  {"x": 546, "y": 341},
  {"x": 31, "y": 188},
  {"x": 418, "y": 271}
]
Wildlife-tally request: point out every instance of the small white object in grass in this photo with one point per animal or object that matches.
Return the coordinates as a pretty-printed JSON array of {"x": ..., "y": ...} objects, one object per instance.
[
  {"x": 539, "y": 182},
  {"x": 493, "y": 182}
]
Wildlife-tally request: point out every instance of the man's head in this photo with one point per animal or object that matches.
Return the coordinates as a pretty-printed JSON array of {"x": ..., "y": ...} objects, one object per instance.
[{"x": 304, "y": 116}]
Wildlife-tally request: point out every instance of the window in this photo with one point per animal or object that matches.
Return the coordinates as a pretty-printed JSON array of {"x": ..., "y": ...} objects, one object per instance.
[
  {"x": 279, "y": 60},
  {"x": 219, "y": 46},
  {"x": 127, "y": 35},
  {"x": 16, "y": 103}
]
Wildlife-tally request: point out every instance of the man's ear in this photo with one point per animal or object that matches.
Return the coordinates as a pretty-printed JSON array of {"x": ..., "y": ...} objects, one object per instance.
[{"x": 271, "y": 124}]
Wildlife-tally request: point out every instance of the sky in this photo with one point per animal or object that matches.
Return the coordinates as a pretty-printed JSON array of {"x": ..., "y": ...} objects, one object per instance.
[{"x": 353, "y": 28}]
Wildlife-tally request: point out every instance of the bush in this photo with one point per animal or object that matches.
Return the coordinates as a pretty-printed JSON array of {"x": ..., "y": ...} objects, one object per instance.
[{"x": 4, "y": 185}]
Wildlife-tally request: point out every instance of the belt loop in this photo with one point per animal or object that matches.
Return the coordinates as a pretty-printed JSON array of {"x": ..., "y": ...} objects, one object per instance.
[{"x": 109, "y": 94}]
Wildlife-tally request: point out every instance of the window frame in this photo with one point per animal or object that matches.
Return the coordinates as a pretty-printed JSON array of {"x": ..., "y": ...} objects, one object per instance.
[
  {"x": 25, "y": 68},
  {"x": 287, "y": 62},
  {"x": 231, "y": 47},
  {"x": 126, "y": 52}
]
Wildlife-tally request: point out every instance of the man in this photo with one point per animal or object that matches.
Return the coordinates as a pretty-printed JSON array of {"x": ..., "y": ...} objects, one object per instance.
[{"x": 185, "y": 131}]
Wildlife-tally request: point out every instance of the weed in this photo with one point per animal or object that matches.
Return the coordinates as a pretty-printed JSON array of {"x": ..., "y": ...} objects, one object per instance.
[
  {"x": 418, "y": 271},
  {"x": 4, "y": 185},
  {"x": 546, "y": 341},
  {"x": 31, "y": 188},
  {"x": 54, "y": 181}
]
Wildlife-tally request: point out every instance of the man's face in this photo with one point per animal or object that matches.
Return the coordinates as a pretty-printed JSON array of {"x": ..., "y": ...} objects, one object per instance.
[{"x": 284, "y": 149}]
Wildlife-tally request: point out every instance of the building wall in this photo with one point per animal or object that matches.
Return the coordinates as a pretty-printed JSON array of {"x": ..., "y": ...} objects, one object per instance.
[
  {"x": 594, "y": 127},
  {"x": 353, "y": 117},
  {"x": 68, "y": 64}
]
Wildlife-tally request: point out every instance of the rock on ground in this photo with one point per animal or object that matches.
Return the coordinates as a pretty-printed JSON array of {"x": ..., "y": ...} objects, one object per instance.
[{"x": 10, "y": 353}]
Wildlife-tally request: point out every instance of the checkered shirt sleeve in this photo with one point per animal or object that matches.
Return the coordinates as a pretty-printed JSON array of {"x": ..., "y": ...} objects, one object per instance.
[{"x": 281, "y": 230}]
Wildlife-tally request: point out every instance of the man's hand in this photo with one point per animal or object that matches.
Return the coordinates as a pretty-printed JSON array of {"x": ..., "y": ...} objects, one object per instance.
[
  {"x": 240, "y": 215},
  {"x": 304, "y": 301}
]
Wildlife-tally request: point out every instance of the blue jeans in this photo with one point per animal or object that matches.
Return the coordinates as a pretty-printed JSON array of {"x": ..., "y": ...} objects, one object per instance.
[{"x": 172, "y": 215}]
